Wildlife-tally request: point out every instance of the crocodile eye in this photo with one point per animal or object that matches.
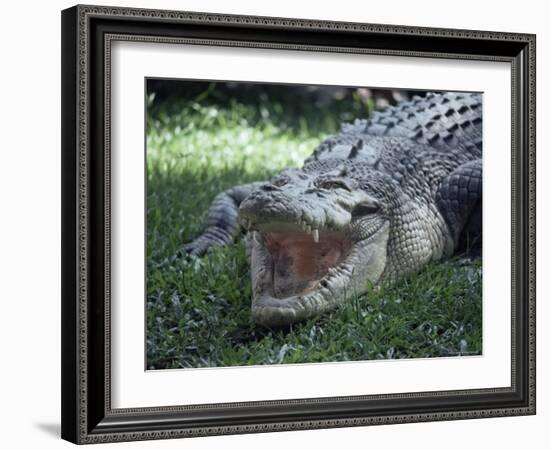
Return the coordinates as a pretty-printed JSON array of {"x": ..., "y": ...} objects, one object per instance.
[
  {"x": 333, "y": 184},
  {"x": 365, "y": 208},
  {"x": 280, "y": 180}
]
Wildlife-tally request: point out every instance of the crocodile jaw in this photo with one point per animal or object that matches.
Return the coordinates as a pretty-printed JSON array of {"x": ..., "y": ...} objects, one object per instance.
[{"x": 316, "y": 288}]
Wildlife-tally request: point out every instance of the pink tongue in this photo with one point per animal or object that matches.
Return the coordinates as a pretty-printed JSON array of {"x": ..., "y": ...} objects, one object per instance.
[{"x": 299, "y": 262}]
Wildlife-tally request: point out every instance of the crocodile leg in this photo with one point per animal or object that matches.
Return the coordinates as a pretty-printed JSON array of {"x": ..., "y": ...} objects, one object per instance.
[
  {"x": 459, "y": 200},
  {"x": 222, "y": 224}
]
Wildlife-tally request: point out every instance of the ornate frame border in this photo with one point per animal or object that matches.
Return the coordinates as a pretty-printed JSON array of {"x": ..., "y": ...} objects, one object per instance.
[{"x": 86, "y": 181}]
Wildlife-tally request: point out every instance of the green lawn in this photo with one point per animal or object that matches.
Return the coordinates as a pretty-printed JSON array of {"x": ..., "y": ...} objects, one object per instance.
[{"x": 198, "y": 311}]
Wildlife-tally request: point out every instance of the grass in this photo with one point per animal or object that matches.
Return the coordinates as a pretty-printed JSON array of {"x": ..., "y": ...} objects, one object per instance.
[{"x": 198, "y": 311}]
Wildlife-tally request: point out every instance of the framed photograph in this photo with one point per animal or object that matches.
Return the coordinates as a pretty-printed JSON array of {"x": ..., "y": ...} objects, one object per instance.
[{"x": 281, "y": 224}]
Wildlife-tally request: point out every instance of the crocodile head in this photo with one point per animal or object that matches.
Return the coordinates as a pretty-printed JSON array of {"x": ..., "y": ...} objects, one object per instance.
[{"x": 315, "y": 239}]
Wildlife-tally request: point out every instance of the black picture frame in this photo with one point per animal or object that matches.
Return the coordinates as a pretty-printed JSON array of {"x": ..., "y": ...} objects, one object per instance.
[{"x": 87, "y": 416}]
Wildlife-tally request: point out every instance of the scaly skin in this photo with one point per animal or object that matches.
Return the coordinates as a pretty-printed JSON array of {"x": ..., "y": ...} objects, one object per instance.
[{"x": 375, "y": 202}]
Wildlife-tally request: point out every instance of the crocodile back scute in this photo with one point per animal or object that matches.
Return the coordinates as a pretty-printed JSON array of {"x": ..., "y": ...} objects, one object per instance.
[{"x": 442, "y": 120}]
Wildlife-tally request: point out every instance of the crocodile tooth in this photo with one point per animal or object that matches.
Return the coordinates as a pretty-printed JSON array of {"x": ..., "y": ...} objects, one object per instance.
[
  {"x": 316, "y": 235},
  {"x": 255, "y": 237},
  {"x": 308, "y": 229}
]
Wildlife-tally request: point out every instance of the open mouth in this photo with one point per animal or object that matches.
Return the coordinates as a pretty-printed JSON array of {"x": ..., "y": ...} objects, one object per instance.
[
  {"x": 301, "y": 260},
  {"x": 300, "y": 269}
]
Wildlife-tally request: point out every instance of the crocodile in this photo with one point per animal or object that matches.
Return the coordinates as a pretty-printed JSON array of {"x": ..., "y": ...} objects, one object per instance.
[{"x": 373, "y": 203}]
